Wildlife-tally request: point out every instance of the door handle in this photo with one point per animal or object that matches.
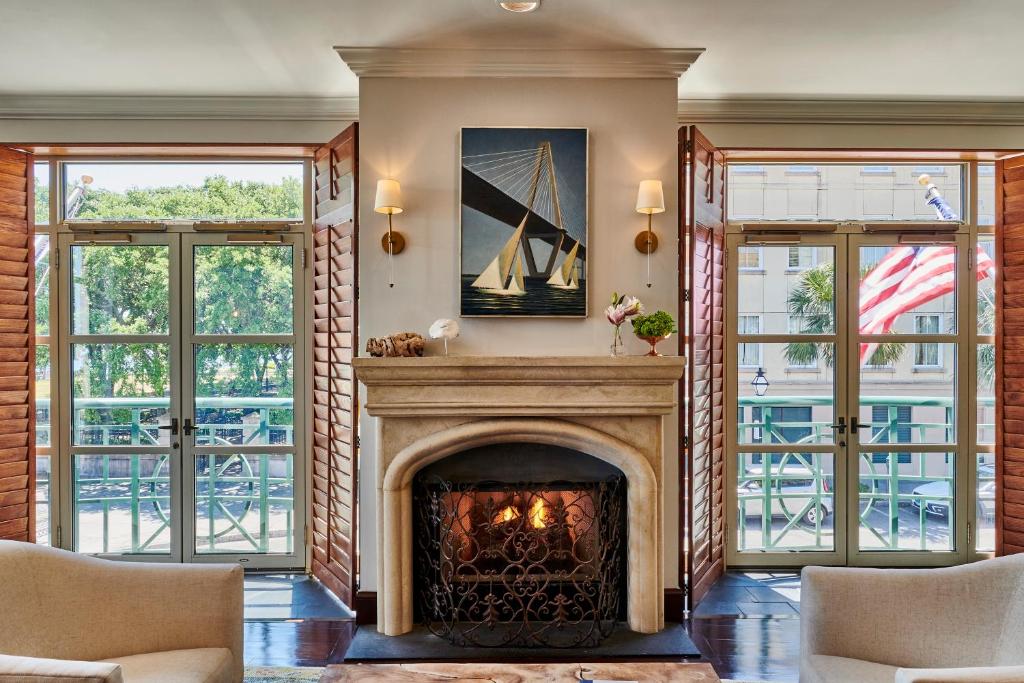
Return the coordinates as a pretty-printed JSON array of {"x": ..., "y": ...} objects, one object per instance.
[
  {"x": 841, "y": 427},
  {"x": 187, "y": 428},
  {"x": 173, "y": 427},
  {"x": 854, "y": 424}
]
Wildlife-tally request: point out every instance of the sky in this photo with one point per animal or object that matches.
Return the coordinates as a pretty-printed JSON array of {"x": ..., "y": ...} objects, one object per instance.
[{"x": 118, "y": 177}]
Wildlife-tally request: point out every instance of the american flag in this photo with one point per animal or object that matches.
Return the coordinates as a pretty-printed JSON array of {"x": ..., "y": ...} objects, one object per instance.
[{"x": 908, "y": 277}]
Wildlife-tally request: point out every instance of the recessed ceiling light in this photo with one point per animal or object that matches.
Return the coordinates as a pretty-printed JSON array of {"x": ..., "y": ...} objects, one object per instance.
[{"x": 520, "y": 6}]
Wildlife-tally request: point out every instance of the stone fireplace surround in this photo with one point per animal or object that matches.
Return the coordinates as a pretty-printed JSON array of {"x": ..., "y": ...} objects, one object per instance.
[{"x": 430, "y": 408}]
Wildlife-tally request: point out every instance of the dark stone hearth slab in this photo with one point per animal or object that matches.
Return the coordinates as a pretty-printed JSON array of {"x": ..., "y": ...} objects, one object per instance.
[{"x": 421, "y": 645}]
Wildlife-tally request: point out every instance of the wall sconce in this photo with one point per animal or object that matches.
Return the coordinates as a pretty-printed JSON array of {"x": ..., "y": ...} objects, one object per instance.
[
  {"x": 389, "y": 201},
  {"x": 650, "y": 199}
]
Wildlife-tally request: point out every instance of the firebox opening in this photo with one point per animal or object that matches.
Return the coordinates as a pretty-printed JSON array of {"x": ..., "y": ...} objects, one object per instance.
[{"x": 520, "y": 545}]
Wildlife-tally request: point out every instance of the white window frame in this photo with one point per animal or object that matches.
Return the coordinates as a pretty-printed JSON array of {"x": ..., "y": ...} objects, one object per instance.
[
  {"x": 759, "y": 268},
  {"x": 800, "y": 268},
  {"x": 918, "y": 318},
  {"x": 760, "y": 347}
]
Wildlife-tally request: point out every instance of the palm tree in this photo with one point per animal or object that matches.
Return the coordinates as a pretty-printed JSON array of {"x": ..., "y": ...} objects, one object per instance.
[{"x": 812, "y": 303}]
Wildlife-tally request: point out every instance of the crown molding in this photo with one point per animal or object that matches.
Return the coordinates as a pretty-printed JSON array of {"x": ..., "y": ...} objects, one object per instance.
[
  {"x": 176, "y": 108},
  {"x": 879, "y": 112},
  {"x": 377, "y": 62}
]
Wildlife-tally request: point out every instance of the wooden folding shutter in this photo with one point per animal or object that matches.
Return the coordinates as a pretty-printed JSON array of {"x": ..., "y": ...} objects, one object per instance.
[
  {"x": 702, "y": 183},
  {"x": 1009, "y": 379},
  {"x": 335, "y": 268},
  {"x": 17, "y": 348}
]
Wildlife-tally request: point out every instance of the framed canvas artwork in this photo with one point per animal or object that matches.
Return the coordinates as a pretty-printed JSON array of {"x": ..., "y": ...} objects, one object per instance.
[{"x": 524, "y": 223}]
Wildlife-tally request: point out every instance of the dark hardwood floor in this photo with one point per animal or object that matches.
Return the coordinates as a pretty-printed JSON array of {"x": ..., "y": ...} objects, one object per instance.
[{"x": 748, "y": 627}]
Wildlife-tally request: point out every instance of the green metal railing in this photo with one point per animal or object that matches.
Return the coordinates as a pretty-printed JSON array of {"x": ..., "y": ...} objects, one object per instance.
[
  {"x": 798, "y": 486},
  {"x": 243, "y": 501}
]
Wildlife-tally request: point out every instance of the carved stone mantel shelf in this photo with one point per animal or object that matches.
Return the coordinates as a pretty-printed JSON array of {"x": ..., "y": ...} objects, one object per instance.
[
  {"x": 507, "y": 385},
  {"x": 430, "y": 408}
]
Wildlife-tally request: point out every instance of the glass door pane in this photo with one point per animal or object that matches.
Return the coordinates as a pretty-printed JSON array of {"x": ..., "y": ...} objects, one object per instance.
[
  {"x": 122, "y": 345},
  {"x": 785, "y": 453},
  {"x": 243, "y": 305},
  {"x": 909, "y": 472}
]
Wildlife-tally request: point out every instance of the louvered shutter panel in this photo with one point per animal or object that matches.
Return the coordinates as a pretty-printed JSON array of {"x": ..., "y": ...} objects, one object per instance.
[
  {"x": 703, "y": 187},
  {"x": 17, "y": 348},
  {"x": 335, "y": 268},
  {"x": 1009, "y": 384}
]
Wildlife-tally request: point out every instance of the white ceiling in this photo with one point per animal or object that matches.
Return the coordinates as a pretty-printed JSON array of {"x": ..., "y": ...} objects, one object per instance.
[{"x": 898, "y": 49}]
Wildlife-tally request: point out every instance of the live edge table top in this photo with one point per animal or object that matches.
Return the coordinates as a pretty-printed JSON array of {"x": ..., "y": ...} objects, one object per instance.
[{"x": 641, "y": 672}]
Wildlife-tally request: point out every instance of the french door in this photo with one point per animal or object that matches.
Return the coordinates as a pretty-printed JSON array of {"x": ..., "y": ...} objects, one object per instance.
[
  {"x": 184, "y": 354},
  {"x": 848, "y": 426}
]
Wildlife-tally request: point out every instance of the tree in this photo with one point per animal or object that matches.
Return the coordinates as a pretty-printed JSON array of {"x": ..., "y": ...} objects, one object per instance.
[
  {"x": 239, "y": 289},
  {"x": 812, "y": 302}
]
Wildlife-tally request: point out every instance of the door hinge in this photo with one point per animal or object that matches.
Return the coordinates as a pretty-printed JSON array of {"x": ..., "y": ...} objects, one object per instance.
[
  {"x": 725, "y": 260},
  {"x": 60, "y": 537},
  {"x": 971, "y": 258},
  {"x": 302, "y": 257},
  {"x": 970, "y": 535},
  {"x": 56, "y": 259},
  {"x": 358, "y": 443},
  {"x": 686, "y": 295},
  {"x": 686, "y": 441}
]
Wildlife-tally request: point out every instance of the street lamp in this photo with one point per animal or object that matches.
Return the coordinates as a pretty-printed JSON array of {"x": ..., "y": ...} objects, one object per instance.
[{"x": 760, "y": 383}]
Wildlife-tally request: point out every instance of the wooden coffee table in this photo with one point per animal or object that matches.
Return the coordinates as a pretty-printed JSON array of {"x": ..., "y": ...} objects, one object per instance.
[{"x": 642, "y": 672}]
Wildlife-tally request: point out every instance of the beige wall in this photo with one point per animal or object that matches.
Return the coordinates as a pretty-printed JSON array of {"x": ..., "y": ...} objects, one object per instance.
[{"x": 409, "y": 130}]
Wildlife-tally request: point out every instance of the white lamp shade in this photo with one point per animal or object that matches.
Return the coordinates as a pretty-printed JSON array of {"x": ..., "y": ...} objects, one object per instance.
[
  {"x": 650, "y": 198},
  {"x": 389, "y": 197}
]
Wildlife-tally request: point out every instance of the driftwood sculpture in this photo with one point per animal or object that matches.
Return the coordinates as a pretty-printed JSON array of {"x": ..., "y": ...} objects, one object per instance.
[{"x": 406, "y": 344}]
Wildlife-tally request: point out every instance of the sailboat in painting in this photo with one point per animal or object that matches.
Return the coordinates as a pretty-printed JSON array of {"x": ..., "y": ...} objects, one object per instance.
[
  {"x": 567, "y": 276},
  {"x": 504, "y": 274}
]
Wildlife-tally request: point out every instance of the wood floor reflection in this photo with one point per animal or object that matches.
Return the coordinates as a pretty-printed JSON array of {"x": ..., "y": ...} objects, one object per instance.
[{"x": 748, "y": 627}]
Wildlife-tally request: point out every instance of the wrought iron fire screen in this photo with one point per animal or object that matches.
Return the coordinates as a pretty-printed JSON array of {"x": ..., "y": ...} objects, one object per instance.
[{"x": 528, "y": 564}]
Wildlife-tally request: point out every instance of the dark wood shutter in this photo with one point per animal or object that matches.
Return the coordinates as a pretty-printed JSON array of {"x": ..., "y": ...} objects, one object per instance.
[
  {"x": 17, "y": 348},
  {"x": 702, "y": 184},
  {"x": 335, "y": 269},
  {"x": 1009, "y": 380}
]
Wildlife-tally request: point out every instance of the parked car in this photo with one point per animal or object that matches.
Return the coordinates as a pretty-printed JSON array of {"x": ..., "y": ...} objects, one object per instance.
[
  {"x": 789, "y": 496},
  {"x": 935, "y": 495}
]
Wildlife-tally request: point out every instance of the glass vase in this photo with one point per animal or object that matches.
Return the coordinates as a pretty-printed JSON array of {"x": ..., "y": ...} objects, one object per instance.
[{"x": 616, "y": 347}]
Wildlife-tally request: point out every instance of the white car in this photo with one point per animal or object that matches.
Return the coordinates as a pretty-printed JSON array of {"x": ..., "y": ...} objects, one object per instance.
[
  {"x": 789, "y": 496},
  {"x": 936, "y": 494}
]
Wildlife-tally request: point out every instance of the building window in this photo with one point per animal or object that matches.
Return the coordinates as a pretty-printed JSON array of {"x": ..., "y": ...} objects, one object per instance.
[
  {"x": 750, "y": 258},
  {"x": 926, "y": 355},
  {"x": 895, "y": 422},
  {"x": 749, "y": 354},
  {"x": 802, "y": 258},
  {"x": 876, "y": 170}
]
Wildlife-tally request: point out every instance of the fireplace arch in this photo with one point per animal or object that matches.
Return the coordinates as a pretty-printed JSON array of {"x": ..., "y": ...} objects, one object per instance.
[{"x": 395, "y": 595}]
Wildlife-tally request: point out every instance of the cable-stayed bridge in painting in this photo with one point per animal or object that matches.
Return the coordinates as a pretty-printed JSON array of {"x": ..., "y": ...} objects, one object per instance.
[{"x": 522, "y": 189}]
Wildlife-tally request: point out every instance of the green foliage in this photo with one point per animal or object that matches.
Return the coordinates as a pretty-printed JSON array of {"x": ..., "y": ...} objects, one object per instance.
[
  {"x": 42, "y": 193},
  {"x": 812, "y": 302},
  {"x": 657, "y": 324},
  {"x": 239, "y": 289},
  {"x": 217, "y": 198}
]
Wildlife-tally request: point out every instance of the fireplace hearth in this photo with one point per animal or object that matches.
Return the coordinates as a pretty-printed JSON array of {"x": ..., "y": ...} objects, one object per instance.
[{"x": 520, "y": 545}]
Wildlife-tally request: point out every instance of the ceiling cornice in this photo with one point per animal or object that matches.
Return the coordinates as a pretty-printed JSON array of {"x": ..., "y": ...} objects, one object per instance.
[
  {"x": 377, "y": 62},
  {"x": 878, "y": 112},
  {"x": 750, "y": 111},
  {"x": 179, "y": 108}
]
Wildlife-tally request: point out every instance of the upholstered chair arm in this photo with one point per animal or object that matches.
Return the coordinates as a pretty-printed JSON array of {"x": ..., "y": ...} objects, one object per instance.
[
  {"x": 71, "y": 606},
  {"x": 951, "y": 617},
  {"x": 974, "y": 674},
  {"x": 37, "y": 670}
]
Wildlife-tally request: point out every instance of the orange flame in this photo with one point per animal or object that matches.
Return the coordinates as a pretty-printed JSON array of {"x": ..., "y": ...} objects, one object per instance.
[{"x": 538, "y": 510}]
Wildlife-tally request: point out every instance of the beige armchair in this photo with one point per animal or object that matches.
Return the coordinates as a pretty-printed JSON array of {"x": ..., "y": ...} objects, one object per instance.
[
  {"x": 913, "y": 625},
  {"x": 68, "y": 617}
]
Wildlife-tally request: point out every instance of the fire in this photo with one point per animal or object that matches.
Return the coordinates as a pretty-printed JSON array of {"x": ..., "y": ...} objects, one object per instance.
[
  {"x": 538, "y": 510},
  {"x": 507, "y": 514}
]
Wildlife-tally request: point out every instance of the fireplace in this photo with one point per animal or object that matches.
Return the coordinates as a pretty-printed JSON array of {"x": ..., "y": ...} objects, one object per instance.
[
  {"x": 431, "y": 410},
  {"x": 520, "y": 545}
]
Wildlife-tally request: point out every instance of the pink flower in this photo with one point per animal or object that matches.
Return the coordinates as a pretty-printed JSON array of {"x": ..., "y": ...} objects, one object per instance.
[{"x": 623, "y": 308}]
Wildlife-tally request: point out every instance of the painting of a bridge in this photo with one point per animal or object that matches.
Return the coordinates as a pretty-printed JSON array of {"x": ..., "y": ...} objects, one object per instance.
[{"x": 524, "y": 222}]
